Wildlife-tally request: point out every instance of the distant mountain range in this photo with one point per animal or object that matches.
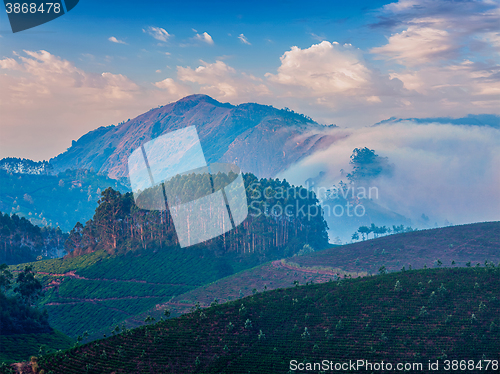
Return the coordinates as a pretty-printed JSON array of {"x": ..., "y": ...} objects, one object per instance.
[
  {"x": 258, "y": 138},
  {"x": 490, "y": 120}
]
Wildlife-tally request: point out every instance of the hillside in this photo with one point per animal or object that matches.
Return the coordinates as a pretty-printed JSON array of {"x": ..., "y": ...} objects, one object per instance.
[
  {"x": 19, "y": 347},
  {"x": 258, "y": 138},
  {"x": 409, "y": 317},
  {"x": 452, "y": 246},
  {"x": 98, "y": 291},
  {"x": 124, "y": 261},
  {"x": 24, "y": 329},
  {"x": 482, "y": 239},
  {"x": 21, "y": 241},
  {"x": 59, "y": 200}
]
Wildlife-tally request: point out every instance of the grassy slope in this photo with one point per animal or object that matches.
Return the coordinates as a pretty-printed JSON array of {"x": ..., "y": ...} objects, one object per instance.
[
  {"x": 268, "y": 276},
  {"x": 19, "y": 347},
  {"x": 95, "y": 292},
  {"x": 430, "y": 317},
  {"x": 473, "y": 243}
]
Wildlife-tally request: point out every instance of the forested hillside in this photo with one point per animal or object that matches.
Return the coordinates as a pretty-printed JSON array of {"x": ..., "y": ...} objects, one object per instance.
[
  {"x": 21, "y": 241},
  {"x": 53, "y": 200},
  {"x": 25, "y": 166},
  {"x": 119, "y": 225},
  {"x": 125, "y": 260}
]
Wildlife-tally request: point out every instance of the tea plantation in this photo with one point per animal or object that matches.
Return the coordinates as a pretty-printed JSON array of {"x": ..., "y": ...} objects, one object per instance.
[{"x": 406, "y": 317}]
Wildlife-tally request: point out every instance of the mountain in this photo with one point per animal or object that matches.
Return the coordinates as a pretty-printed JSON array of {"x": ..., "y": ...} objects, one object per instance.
[
  {"x": 410, "y": 319},
  {"x": 490, "y": 120},
  {"x": 59, "y": 200},
  {"x": 260, "y": 139}
]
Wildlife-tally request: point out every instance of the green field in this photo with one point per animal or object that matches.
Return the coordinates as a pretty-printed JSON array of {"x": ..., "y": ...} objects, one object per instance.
[
  {"x": 410, "y": 317},
  {"x": 94, "y": 293}
]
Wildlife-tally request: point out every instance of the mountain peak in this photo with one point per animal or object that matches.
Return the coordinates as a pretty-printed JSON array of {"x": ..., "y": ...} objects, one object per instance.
[
  {"x": 236, "y": 134},
  {"x": 196, "y": 99}
]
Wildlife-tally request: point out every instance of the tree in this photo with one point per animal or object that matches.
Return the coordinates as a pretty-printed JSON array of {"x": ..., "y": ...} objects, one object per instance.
[
  {"x": 367, "y": 165},
  {"x": 5, "y": 277},
  {"x": 74, "y": 241},
  {"x": 355, "y": 236},
  {"x": 364, "y": 230},
  {"x": 28, "y": 287}
]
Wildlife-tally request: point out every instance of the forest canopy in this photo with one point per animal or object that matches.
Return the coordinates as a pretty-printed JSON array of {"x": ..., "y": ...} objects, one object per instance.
[{"x": 119, "y": 225}]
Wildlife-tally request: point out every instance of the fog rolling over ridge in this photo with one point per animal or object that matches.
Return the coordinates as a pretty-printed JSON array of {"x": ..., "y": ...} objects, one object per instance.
[
  {"x": 443, "y": 173},
  {"x": 444, "y": 170}
]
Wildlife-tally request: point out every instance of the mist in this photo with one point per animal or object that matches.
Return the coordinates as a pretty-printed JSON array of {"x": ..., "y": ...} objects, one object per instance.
[{"x": 449, "y": 173}]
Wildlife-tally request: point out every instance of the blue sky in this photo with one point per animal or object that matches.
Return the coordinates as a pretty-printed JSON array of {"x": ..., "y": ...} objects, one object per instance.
[
  {"x": 270, "y": 27},
  {"x": 349, "y": 63}
]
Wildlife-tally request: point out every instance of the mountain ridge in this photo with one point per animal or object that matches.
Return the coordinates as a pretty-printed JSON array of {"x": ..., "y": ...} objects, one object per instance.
[{"x": 228, "y": 133}]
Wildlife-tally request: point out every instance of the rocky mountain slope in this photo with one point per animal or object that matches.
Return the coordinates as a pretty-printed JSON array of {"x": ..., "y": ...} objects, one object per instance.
[{"x": 258, "y": 138}]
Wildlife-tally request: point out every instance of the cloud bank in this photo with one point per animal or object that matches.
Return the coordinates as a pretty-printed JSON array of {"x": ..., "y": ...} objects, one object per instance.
[{"x": 447, "y": 172}]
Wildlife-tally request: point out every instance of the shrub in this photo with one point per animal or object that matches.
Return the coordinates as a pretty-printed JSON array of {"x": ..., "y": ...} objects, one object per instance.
[{"x": 397, "y": 286}]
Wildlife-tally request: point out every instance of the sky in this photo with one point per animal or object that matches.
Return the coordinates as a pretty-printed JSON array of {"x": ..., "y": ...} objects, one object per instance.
[{"x": 347, "y": 63}]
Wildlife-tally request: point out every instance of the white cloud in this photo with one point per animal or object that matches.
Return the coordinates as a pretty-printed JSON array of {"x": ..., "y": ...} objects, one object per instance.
[
  {"x": 492, "y": 38},
  {"x": 223, "y": 82},
  {"x": 64, "y": 101},
  {"x": 173, "y": 87},
  {"x": 158, "y": 33},
  {"x": 205, "y": 37},
  {"x": 334, "y": 77},
  {"x": 434, "y": 30},
  {"x": 114, "y": 40},
  {"x": 9, "y": 63},
  {"x": 448, "y": 55},
  {"x": 244, "y": 39},
  {"x": 317, "y": 37},
  {"x": 417, "y": 45},
  {"x": 324, "y": 68}
]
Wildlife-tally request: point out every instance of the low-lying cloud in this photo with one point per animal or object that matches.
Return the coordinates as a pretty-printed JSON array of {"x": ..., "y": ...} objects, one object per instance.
[{"x": 447, "y": 172}]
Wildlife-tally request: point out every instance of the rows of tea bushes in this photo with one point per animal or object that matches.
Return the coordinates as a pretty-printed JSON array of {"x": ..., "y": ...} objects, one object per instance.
[
  {"x": 411, "y": 316},
  {"x": 447, "y": 246},
  {"x": 81, "y": 293}
]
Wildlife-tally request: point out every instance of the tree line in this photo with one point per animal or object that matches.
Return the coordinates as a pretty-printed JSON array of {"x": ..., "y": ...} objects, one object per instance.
[
  {"x": 21, "y": 241},
  {"x": 118, "y": 225},
  {"x": 17, "y": 298},
  {"x": 379, "y": 230}
]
